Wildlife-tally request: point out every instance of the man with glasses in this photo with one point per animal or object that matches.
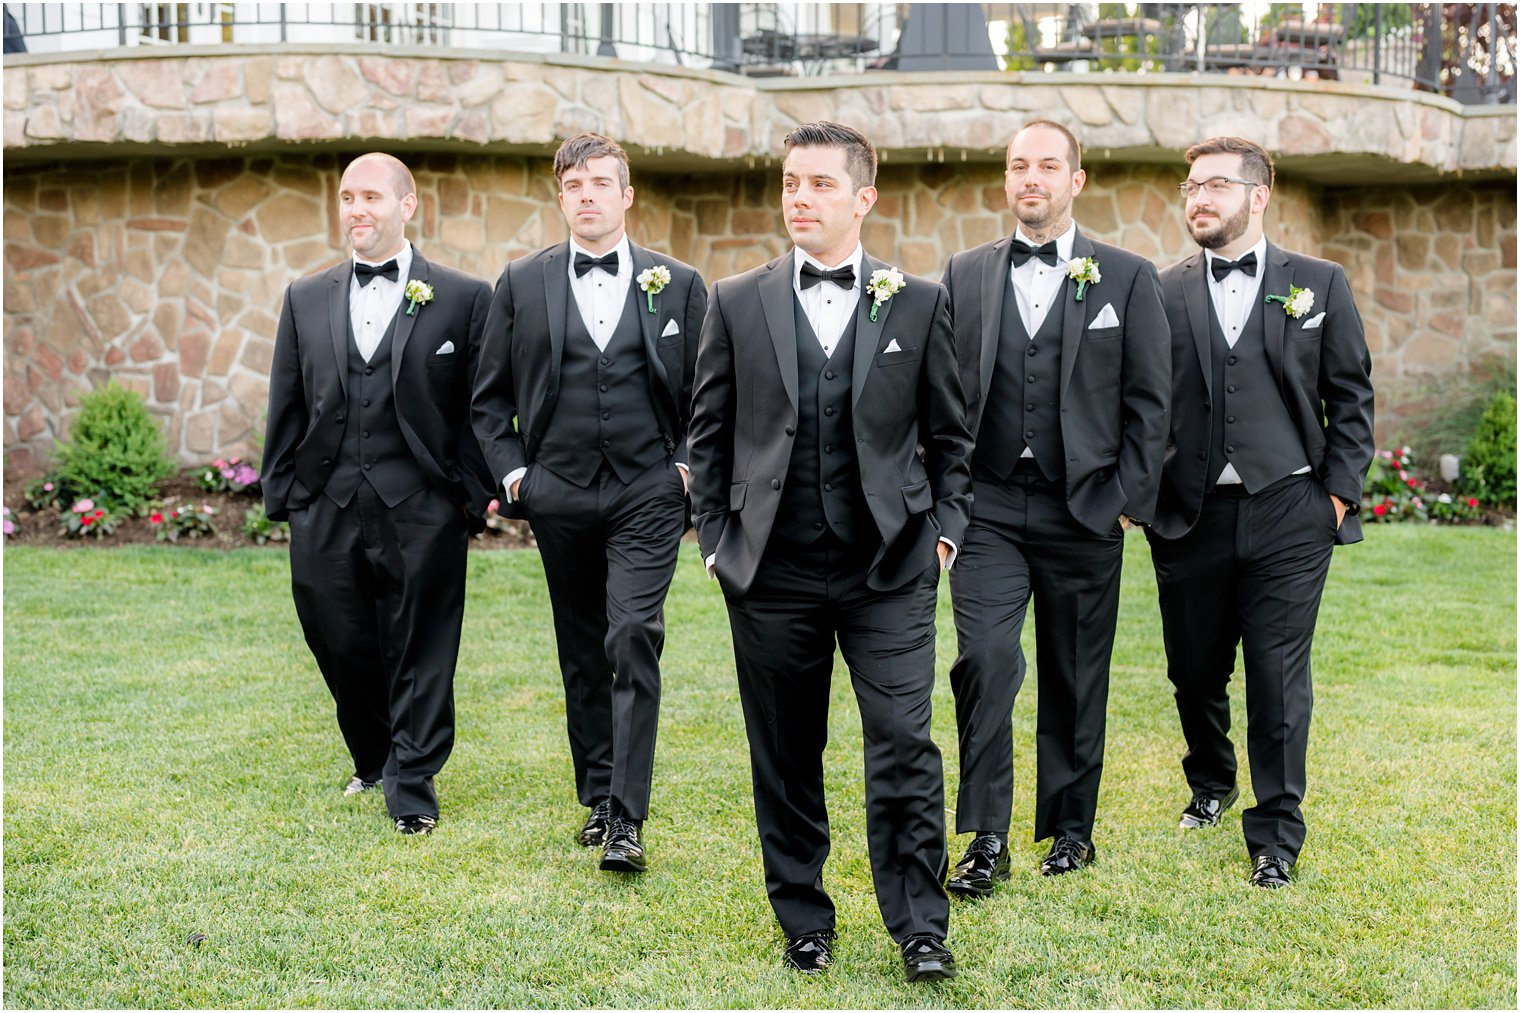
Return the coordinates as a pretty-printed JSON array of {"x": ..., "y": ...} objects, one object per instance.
[{"x": 1272, "y": 436}]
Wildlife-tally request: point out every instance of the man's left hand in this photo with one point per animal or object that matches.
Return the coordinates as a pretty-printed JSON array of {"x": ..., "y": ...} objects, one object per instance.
[{"x": 944, "y": 555}]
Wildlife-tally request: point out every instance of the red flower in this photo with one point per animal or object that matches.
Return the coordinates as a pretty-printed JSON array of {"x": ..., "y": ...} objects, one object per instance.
[
  {"x": 156, "y": 518},
  {"x": 1380, "y": 509},
  {"x": 99, "y": 514},
  {"x": 1413, "y": 483},
  {"x": 1473, "y": 502},
  {"x": 85, "y": 522}
]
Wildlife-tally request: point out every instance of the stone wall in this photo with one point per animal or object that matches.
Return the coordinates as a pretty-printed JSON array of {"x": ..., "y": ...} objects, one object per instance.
[{"x": 167, "y": 274}]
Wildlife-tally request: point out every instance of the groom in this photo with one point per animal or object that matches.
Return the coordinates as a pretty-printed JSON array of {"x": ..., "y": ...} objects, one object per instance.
[{"x": 819, "y": 377}]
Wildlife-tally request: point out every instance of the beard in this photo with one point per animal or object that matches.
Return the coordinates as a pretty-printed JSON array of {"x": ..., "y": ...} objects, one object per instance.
[{"x": 1225, "y": 232}]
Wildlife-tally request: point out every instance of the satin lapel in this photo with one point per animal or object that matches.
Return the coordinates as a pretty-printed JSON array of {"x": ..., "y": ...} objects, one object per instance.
[
  {"x": 557, "y": 294},
  {"x": 1074, "y": 317},
  {"x": 1277, "y": 280},
  {"x": 1195, "y": 296},
  {"x": 337, "y": 318},
  {"x": 868, "y": 333},
  {"x": 777, "y": 301},
  {"x": 648, "y": 322},
  {"x": 405, "y": 323},
  {"x": 994, "y": 284}
]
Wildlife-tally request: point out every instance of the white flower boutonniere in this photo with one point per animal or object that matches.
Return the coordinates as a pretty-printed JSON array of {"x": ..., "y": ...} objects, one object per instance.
[
  {"x": 418, "y": 293},
  {"x": 884, "y": 285},
  {"x": 653, "y": 281},
  {"x": 1084, "y": 271},
  {"x": 1296, "y": 303}
]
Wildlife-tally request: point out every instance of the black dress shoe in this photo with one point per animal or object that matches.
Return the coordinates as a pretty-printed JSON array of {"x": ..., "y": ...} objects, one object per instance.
[
  {"x": 416, "y": 824},
  {"x": 624, "y": 851},
  {"x": 985, "y": 863},
  {"x": 1204, "y": 811},
  {"x": 926, "y": 959},
  {"x": 810, "y": 952},
  {"x": 1271, "y": 873},
  {"x": 1068, "y": 854},
  {"x": 358, "y": 786},
  {"x": 594, "y": 833}
]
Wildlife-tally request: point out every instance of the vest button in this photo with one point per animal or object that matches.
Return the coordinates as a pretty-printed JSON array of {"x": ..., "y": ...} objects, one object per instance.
[
  {"x": 1230, "y": 419},
  {"x": 326, "y": 461},
  {"x": 1230, "y": 388},
  {"x": 606, "y": 416},
  {"x": 1230, "y": 449},
  {"x": 828, "y": 374},
  {"x": 791, "y": 430},
  {"x": 818, "y": 525},
  {"x": 606, "y": 443},
  {"x": 828, "y": 448},
  {"x": 829, "y": 410},
  {"x": 1230, "y": 360},
  {"x": 369, "y": 370},
  {"x": 775, "y": 483},
  {"x": 365, "y": 434},
  {"x": 1029, "y": 434},
  {"x": 1029, "y": 407},
  {"x": 1202, "y": 456},
  {"x": 338, "y": 419},
  {"x": 367, "y": 467},
  {"x": 1031, "y": 379},
  {"x": 827, "y": 487},
  {"x": 602, "y": 387},
  {"x": 604, "y": 360},
  {"x": 365, "y": 402},
  {"x": 1032, "y": 350}
]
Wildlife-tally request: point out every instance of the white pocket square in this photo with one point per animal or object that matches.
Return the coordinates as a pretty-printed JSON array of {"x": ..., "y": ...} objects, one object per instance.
[
  {"x": 1313, "y": 322},
  {"x": 445, "y": 348},
  {"x": 1106, "y": 317},
  {"x": 892, "y": 346},
  {"x": 670, "y": 328}
]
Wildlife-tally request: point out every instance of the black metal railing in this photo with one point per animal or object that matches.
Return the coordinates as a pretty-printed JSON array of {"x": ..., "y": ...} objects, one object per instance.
[{"x": 1466, "y": 51}]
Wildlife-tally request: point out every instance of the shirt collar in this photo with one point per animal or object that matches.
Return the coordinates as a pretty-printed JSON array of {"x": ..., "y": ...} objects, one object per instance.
[
  {"x": 403, "y": 261},
  {"x": 1064, "y": 241},
  {"x": 1260, "y": 249},
  {"x": 622, "y": 249},
  {"x": 801, "y": 256}
]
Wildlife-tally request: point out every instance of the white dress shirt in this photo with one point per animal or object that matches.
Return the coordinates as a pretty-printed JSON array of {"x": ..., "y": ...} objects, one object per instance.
[
  {"x": 827, "y": 306},
  {"x": 1037, "y": 285},
  {"x": 371, "y": 307},
  {"x": 601, "y": 297}
]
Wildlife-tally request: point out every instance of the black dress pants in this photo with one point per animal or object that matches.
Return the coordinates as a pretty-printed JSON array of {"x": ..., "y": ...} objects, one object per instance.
[
  {"x": 380, "y": 594},
  {"x": 1249, "y": 573},
  {"x": 803, "y": 601},
  {"x": 609, "y": 551}
]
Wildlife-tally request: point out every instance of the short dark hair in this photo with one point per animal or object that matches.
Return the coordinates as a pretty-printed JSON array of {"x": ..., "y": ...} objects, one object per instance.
[
  {"x": 1255, "y": 164},
  {"x": 1074, "y": 145},
  {"x": 580, "y": 149},
  {"x": 859, "y": 153}
]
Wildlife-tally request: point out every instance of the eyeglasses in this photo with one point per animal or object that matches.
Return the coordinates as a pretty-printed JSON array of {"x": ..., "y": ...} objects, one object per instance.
[{"x": 1216, "y": 187}]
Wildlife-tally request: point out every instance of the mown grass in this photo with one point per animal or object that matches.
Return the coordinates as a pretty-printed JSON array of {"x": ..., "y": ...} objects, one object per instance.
[{"x": 172, "y": 767}]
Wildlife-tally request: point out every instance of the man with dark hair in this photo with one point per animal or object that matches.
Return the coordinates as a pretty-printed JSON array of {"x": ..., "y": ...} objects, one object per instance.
[
  {"x": 1272, "y": 429},
  {"x": 819, "y": 377},
  {"x": 370, "y": 456},
  {"x": 581, "y": 406},
  {"x": 1062, "y": 347}
]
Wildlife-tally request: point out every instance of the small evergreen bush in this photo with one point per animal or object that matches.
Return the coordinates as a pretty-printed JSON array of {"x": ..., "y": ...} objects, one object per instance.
[
  {"x": 1488, "y": 467},
  {"x": 115, "y": 451}
]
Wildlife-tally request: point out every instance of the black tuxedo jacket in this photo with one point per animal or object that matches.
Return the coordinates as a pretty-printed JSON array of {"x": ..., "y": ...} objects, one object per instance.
[
  {"x": 745, "y": 413},
  {"x": 518, "y": 382},
  {"x": 1114, "y": 379},
  {"x": 1324, "y": 373},
  {"x": 308, "y": 398}
]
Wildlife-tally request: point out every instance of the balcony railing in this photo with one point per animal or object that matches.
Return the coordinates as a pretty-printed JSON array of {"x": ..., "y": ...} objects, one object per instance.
[{"x": 1466, "y": 51}]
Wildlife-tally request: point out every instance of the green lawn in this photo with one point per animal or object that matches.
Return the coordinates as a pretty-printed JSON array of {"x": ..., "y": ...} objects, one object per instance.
[{"x": 171, "y": 766}]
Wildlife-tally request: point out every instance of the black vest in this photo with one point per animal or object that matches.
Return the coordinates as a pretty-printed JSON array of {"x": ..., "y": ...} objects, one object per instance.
[
  {"x": 604, "y": 411},
  {"x": 822, "y": 491},
  {"x": 1024, "y": 398},
  {"x": 1251, "y": 426},
  {"x": 373, "y": 448}
]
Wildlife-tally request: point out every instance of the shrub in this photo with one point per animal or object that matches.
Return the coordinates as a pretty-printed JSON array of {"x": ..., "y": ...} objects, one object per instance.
[
  {"x": 115, "y": 451},
  {"x": 258, "y": 526},
  {"x": 187, "y": 521},
  {"x": 87, "y": 520},
  {"x": 1488, "y": 467}
]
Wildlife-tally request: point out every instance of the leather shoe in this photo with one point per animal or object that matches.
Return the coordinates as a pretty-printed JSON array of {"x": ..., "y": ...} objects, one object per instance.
[
  {"x": 1271, "y": 873},
  {"x": 811, "y": 952},
  {"x": 985, "y": 863},
  {"x": 926, "y": 959},
  {"x": 1068, "y": 854},
  {"x": 624, "y": 851},
  {"x": 1204, "y": 811},
  {"x": 358, "y": 786},
  {"x": 594, "y": 833},
  {"x": 416, "y": 824}
]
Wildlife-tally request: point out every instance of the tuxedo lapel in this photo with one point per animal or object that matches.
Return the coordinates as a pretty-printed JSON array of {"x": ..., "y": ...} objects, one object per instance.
[
  {"x": 1195, "y": 297},
  {"x": 643, "y": 260},
  {"x": 337, "y": 317},
  {"x": 557, "y": 294},
  {"x": 778, "y": 302},
  {"x": 405, "y": 322},
  {"x": 1276, "y": 280},
  {"x": 994, "y": 283},
  {"x": 1074, "y": 319},
  {"x": 868, "y": 332}
]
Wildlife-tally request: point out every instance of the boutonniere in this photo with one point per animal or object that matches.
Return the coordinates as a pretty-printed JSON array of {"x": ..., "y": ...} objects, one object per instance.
[
  {"x": 1296, "y": 303},
  {"x": 653, "y": 281},
  {"x": 884, "y": 284},
  {"x": 418, "y": 293},
  {"x": 1084, "y": 271}
]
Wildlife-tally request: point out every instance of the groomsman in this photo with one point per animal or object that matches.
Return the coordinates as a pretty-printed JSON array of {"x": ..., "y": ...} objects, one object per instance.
[
  {"x": 830, "y": 485},
  {"x": 1272, "y": 434},
  {"x": 1062, "y": 347},
  {"x": 581, "y": 406},
  {"x": 370, "y": 456}
]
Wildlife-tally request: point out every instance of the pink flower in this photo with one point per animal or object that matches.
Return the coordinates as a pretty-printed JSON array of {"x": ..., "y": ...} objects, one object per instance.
[
  {"x": 47, "y": 486},
  {"x": 206, "y": 509},
  {"x": 8, "y": 527},
  {"x": 83, "y": 505},
  {"x": 493, "y": 506},
  {"x": 219, "y": 463},
  {"x": 227, "y": 473}
]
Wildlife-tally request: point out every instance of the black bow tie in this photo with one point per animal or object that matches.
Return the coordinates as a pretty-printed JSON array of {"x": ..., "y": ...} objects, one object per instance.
[
  {"x": 585, "y": 262},
  {"x": 1022, "y": 251},
  {"x": 1222, "y": 267},
  {"x": 812, "y": 275},
  {"x": 368, "y": 272}
]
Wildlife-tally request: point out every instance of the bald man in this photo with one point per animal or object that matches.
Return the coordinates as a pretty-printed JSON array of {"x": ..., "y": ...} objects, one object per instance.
[{"x": 370, "y": 456}]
